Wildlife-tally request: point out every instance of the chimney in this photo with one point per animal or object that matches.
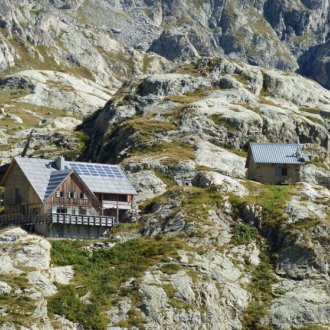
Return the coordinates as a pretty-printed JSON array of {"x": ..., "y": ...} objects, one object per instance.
[{"x": 60, "y": 163}]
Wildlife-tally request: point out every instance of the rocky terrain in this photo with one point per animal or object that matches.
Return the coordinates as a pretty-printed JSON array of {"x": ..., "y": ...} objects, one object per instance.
[
  {"x": 205, "y": 248},
  {"x": 101, "y": 44},
  {"x": 173, "y": 91}
]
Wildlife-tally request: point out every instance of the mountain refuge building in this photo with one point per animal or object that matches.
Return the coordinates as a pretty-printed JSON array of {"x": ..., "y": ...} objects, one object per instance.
[
  {"x": 275, "y": 163},
  {"x": 65, "y": 198}
]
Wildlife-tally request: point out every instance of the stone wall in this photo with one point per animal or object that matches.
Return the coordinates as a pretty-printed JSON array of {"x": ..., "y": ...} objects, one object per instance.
[
  {"x": 70, "y": 231},
  {"x": 271, "y": 173}
]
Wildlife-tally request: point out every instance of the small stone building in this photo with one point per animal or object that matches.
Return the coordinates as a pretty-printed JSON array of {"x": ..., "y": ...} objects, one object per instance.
[{"x": 275, "y": 163}]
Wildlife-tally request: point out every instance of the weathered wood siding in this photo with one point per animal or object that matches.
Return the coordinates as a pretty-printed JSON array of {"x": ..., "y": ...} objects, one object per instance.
[
  {"x": 73, "y": 185},
  {"x": 19, "y": 193},
  {"x": 271, "y": 173}
]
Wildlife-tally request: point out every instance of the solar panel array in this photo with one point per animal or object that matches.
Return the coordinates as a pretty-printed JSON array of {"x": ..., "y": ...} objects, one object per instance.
[
  {"x": 97, "y": 170},
  {"x": 55, "y": 179}
]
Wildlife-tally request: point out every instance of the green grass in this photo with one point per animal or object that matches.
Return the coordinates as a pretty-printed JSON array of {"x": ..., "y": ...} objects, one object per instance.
[
  {"x": 166, "y": 178},
  {"x": 172, "y": 152},
  {"x": 260, "y": 289},
  {"x": 195, "y": 202},
  {"x": 173, "y": 300},
  {"x": 81, "y": 139},
  {"x": 242, "y": 79},
  {"x": 198, "y": 201},
  {"x": 102, "y": 274},
  {"x": 244, "y": 234},
  {"x": 272, "y": 198},
  {"x": 19, "y": 308},
  {"x": 148, "y": 128},
  {"x": 312, "y": 327},
  {"x": 189, "y": 97},
  {"x": 306, "y": 224},
  {"x": 220, "y": 120},
  {"x": 170, "y": 268},
  {"x": 238, "y": 152},
  {"x": 310, "y": 110}
]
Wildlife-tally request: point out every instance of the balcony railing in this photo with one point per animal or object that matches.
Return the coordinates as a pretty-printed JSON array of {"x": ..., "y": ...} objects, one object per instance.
[
  {"x": 114, "y": 204},
  {"x": 85, "y": 220}
]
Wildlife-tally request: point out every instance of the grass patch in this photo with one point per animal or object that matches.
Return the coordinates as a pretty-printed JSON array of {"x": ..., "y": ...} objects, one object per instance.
[
  {"x": 102, "y": 274},
  {"x": 198, "y": 201},
  {"x": 173, "y": 300},
  {"x": 305, "y": 224},
  {"x": 195, "y": 202},
  {"x": 242, "y": 79},
  {"x": 263, "y": 100},
  {"x": 310, "y": 110},
  {"x": 170, "y": 269},
  {"x": 261, "y": 290},
  {"x": 238, "y": 152},
  {"x": 19, "y": 308},
  {"x": 317, "y": 121},
  {"x": 189, "y": 97},
  {"x": 171, "y": 152},
  {"x": 244, "y": 234},
  {"x": 319, "y": 162},
  {"x": 166, "y": 178},
  {"x": 272, "y": 198},
  {"x": 220, "y": 120},
  {"x": 80, "y": 146},
  {"x": 311, "y": 327},
  {"x": 147, "y": 128}
]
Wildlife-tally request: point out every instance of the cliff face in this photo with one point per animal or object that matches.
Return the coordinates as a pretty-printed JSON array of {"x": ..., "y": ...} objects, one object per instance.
[
  {"x": 93, "y": 37},
  {"x": 66, "y": 58}
]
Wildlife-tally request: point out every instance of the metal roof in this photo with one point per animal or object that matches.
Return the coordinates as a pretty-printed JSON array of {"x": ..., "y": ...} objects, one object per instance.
[
  {"x": 45, "y": 177},
  {"x": 99, "y": 183},
  {"x": 55, "y": 179},
  {"x": 277, "y": 153}
]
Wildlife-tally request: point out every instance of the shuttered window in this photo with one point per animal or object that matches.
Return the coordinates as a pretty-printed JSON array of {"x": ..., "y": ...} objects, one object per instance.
[{"x": 72, "y": 194}]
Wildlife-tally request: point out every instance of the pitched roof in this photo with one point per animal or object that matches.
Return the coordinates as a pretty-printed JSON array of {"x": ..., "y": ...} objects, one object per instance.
[
  {"x": 45, "y": 177},
  {"x": 277, "y": 153},
  {"x": 103, "y": 178},
  {"x": 55, "y": 180}
]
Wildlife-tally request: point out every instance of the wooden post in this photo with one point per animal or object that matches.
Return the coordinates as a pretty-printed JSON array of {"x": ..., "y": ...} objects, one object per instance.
[{"x": 117, "y": 213}]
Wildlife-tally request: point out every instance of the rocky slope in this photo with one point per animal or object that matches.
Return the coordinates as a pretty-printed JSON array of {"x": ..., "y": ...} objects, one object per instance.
[
  {"x": 100, "y": 44},
  {"x": 27, "y": 280},
  {"x": 206, "y": 248},
  {"x": 108, "y": 40}
]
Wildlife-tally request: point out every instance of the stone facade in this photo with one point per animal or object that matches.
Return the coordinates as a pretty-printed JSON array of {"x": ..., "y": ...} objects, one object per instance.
[{"x": 273, "y": 173}]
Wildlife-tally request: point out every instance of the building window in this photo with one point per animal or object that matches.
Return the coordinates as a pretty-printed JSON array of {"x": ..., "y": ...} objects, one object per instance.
[
  {"x": 59, "y": 194},
  {"x": 122, "y": 198},
  {"x": 83, "y": 195},
  {"x": 72, "y": 194},
  {"x": 17, "y": 196},
  {"x": 284, "y": 171},
  {"x": 61, "y": 210}
]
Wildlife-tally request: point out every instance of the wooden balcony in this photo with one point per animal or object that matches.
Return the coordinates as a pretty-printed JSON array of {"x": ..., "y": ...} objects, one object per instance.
[
  {"x": 67, "y": 219},
  {"x": 85, "y": 220},
  {"x": 114, "y": 205}
]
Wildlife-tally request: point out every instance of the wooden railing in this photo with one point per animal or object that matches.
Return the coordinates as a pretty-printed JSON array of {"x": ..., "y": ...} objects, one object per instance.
[
  {"x": 90, "y": 220},
  {"x": 86, "y": 220}
]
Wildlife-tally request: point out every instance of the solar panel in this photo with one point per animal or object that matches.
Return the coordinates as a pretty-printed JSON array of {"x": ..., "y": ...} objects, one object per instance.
[{"x": 110, "y": 171}]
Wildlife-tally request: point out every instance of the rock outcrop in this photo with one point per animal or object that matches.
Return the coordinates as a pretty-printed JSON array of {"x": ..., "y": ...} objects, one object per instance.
[{"x": 27, "y": 280}]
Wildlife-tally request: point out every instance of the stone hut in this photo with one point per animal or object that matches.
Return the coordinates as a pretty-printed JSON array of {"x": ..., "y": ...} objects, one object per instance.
[{"x": 275, "y": 163}]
